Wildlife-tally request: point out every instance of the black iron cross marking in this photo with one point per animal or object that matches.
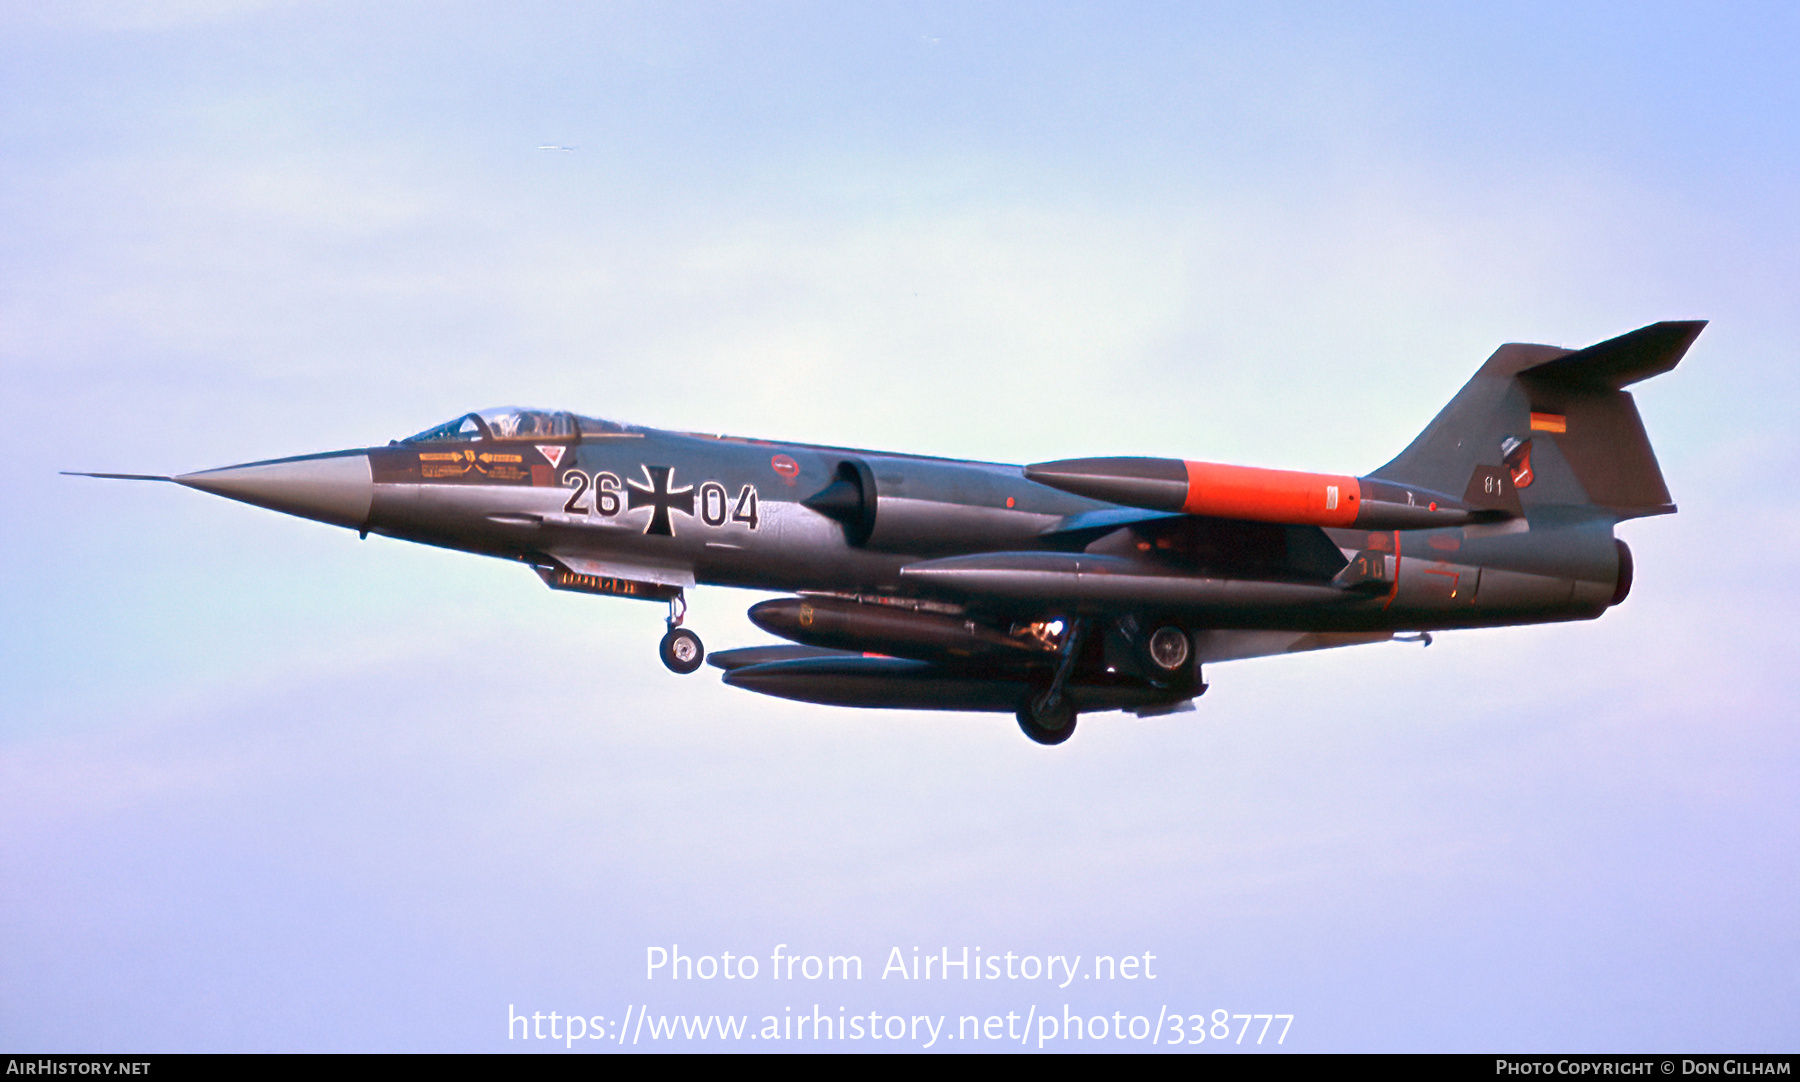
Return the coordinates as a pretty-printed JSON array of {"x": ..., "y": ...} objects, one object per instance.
[{"x": 657, "y": 494}]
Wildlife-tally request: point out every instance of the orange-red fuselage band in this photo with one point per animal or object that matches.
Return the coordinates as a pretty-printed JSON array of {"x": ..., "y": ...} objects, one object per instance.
[{"x": 1246, "y": 492}]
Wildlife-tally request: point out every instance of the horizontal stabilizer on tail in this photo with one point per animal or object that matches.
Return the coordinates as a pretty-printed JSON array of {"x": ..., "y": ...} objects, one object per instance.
[{"x": 1619, "y": 362}]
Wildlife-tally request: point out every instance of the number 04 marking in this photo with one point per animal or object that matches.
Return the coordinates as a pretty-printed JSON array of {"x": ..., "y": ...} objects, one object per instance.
[{"x": 745, "y": 510}]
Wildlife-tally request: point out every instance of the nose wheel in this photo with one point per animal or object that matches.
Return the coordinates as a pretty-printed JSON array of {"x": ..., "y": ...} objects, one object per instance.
[{"x": 680, "y": 648}]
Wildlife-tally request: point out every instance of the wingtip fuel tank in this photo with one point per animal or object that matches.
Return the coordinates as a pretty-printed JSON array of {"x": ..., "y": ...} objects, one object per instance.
[{"x": 1253, "y": 494}]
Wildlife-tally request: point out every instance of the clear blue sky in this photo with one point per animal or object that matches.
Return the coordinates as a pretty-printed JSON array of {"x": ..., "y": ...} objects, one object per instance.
[{"x": 263, "y": 786}]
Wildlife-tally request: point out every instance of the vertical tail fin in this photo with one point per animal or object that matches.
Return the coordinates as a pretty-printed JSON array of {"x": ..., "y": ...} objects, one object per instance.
[{"x": 1558, "y": 421}]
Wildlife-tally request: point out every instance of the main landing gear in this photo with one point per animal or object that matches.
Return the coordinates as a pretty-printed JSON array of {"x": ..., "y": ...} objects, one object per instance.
[
  {"x": 1048, "y": 716},
  {"x": 680, "y": 648},
  {"x": 1047, "y": 721}
]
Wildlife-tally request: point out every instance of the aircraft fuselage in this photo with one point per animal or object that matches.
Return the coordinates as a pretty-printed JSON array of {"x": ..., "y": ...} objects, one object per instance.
[{"x": 649, "y": 506}]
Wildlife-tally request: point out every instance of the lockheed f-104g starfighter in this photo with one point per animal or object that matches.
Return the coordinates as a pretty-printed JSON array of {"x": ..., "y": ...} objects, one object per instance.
[{"x": 1077, "y": 586}]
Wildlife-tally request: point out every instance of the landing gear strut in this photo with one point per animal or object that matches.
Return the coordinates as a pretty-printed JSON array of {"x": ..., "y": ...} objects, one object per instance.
[
  {"x": 681, "y": 649},
  {"x": 1047, "y": 716}
]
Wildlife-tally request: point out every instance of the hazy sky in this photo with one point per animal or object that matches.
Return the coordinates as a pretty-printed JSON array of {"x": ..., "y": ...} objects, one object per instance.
[{"x": 263, "y": 786}]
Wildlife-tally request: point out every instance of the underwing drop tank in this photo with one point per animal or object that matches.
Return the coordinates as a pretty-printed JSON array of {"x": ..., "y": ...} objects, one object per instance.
[
  {"x": 904, "y": 684},
  {"x": 894, "y": 630}
]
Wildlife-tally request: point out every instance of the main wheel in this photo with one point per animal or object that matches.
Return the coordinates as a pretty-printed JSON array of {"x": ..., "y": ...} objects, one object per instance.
[
  {"x": 681, "y": 650},
  {"x": 1167, "y": 648},
  {"x": 1047, "y": 725}
]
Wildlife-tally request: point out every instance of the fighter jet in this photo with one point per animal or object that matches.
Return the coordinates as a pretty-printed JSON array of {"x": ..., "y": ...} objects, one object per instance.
[{"x": 1048, "y": 590}]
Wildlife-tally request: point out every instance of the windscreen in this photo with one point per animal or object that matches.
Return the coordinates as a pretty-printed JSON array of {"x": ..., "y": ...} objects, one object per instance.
[
  {"x": 502, "y": 423},
  {"x": 464, "y": 428},
  {"x": 514, "y": 423}
]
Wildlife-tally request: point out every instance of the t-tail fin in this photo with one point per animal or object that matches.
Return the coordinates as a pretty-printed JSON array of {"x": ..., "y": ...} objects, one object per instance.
[{"x": 1549, "y": 426}]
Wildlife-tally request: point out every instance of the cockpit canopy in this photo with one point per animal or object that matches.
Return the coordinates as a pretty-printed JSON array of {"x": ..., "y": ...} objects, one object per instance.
[{"x": 515, "y": 423}]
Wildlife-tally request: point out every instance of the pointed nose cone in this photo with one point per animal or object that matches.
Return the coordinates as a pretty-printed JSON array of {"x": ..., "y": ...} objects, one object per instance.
[{"x": 335, "y": 488}]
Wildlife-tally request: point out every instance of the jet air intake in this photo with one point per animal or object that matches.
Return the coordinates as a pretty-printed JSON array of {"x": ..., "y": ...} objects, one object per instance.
[
  {"x": 1256, "y": 495},
  {"x": 849, "y": 499}
]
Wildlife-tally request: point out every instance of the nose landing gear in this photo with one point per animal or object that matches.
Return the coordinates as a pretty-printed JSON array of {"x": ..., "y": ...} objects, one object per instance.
[{"x": 680, "y": 648}]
